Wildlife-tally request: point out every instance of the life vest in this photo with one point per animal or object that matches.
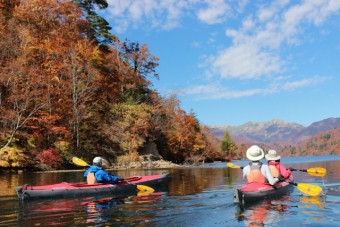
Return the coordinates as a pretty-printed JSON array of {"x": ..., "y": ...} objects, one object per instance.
[
  {"x": 274, "y": 171},
  {"x": 91, "y": 178},
  {"x": 255, "y": 174}
]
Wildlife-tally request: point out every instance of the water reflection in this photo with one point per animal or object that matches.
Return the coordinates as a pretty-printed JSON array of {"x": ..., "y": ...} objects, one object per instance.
[
  {"x": 193, "y": 181},
  {"x": 265, "y": 213},
  {"x": 94, "y": 209},
  {"x": 310, "y": 201},
  {"x": 82, "y": 211}
]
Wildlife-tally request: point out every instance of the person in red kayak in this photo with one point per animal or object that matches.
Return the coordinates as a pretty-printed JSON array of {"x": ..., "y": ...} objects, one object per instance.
[
  {"x": 277, "y": 169},
  {"x": 256, "y": 171},
  {"x": 97, "y": 174}
]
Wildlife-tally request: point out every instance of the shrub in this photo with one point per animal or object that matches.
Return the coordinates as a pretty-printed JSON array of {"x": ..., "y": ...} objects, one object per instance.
[{"x": 49, "y": 157}]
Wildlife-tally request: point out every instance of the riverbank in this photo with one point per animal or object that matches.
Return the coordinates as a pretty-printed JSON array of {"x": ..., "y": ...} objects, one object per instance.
[{"x": 159, "y": 164}]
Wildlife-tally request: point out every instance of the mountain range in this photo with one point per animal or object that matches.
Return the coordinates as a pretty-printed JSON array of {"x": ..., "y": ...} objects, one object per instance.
[{"x": 275, "y": 131}]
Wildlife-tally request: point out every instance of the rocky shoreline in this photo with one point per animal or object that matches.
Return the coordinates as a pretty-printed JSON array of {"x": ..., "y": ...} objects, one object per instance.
[{"x": 159, "y": 164}]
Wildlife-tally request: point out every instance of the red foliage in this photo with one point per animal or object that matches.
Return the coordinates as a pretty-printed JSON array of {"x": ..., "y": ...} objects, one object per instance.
[{"x": 50, "y": 157}]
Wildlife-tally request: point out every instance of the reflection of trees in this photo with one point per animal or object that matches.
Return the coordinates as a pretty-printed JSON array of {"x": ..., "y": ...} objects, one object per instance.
[
  {"x": 232, "y": 175},
  {"x": 195, "y": 180},
  {"x": 8, "y": 182}
]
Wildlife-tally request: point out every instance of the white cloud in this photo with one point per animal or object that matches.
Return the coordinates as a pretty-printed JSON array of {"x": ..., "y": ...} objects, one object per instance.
[
  {"x": 244, "y": 62},
  {"x": 293, "y": 85},
  {"x": 164, "y": 14},
  {"x": 214, "y": 91},
  {"x": 216, "y": 12}
]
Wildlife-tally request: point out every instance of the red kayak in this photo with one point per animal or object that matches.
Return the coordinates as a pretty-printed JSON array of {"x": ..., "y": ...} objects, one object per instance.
[
  {"x": 64, "y": 189},
  {"x": 254, "y": 192}
]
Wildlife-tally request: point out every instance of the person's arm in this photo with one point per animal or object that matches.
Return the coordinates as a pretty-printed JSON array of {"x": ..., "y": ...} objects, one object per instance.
[
  {"x": 246, "y": 171},
  {"x": 110, "y": 178},
  {"x": 266, "y": 171},
  {"x": 285, "y": 173},
  {"x": 103, "y": 176}
]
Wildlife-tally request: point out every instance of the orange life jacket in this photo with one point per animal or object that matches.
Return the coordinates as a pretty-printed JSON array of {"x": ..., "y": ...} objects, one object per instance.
[
  {"x": 256, "y": 175},
  {"x": 91, "y": 179}
]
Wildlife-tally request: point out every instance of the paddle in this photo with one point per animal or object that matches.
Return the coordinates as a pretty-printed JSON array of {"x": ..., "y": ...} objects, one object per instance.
[
  {"x": 231, "y": 165},
  {"x": 309, "y": 189},
  {"x": 315, "y": 171},
  {"x": 141, "y": 188}
]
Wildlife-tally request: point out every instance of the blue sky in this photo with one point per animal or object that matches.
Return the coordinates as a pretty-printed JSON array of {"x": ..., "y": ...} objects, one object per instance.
[{"x": 234, "y": 61}]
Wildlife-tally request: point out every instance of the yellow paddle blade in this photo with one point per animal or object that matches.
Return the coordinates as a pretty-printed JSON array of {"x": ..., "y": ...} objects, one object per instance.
[
  {"x": 317, "y": 171},
  {"x": 79, "y": 162},
  {"x": 231, "y": 165},
  {"x": 143, "y": 189},
  {"x": 309, "y": 189}
]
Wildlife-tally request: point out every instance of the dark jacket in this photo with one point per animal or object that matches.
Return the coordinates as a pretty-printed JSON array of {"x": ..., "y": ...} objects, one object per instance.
[{"x": 101, "y": 175}]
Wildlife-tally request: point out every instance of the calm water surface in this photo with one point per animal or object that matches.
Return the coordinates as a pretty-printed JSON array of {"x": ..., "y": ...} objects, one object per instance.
[{"x": 194, "y": 196}]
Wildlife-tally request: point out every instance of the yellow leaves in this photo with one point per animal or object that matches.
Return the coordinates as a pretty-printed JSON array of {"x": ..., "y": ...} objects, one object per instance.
[
  {"x": 130, "y": 157},
  {"x": 132, "y": 125},
  {"x": 4, "y": 163},
  {"x": 11, "y": 157},
  {"x": 62, "y": 146}
]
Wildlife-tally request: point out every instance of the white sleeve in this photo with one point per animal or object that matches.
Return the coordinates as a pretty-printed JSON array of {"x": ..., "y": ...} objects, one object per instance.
[
  {"x": 266, "y": 172},
  {"x": 246, "y": 171}
]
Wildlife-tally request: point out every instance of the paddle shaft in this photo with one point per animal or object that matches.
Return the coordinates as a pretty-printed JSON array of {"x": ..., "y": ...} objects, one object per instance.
[{"x": 301, "y": 170}]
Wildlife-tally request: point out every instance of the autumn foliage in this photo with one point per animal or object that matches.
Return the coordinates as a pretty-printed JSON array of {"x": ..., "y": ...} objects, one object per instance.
[
  {"x": 70, "y": 88},
  {"x": 49, "y": 157}
]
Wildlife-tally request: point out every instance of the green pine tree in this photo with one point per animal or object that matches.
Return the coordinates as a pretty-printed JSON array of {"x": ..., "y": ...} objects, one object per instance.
[
  {"x": 227, "y": 144},
  {"x": 100, "y": 29}
]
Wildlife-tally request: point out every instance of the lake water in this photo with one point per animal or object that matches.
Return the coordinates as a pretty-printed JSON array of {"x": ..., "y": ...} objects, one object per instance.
[{"x": 193, "y": 196}]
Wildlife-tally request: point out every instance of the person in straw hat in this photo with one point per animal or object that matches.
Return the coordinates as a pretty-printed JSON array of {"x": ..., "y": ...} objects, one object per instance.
[
  {"x": 256, "y": 171},
  {"x": 277, "y": 169}
]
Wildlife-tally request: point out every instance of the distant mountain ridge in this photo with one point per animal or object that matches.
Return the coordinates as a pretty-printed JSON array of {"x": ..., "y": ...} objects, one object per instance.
[{"x": 274, "y": 131}]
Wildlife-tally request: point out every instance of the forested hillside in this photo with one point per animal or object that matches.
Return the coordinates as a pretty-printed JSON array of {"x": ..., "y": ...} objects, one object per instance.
[
  {"x": 323, "y": 143},
  {"x": 68, "y": 87}
]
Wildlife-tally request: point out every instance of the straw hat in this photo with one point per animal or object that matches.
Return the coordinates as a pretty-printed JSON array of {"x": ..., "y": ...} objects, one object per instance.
[
  {"x": 255, "y": 153},
  {"x": 272, "y": 155}
]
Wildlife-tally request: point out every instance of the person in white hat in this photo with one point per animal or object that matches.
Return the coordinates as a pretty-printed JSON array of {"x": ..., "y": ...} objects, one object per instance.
[
  {"x": 277, "y": 169},
  {"x": 97, "y": 174},
  {"x": 256, "y": 171}
]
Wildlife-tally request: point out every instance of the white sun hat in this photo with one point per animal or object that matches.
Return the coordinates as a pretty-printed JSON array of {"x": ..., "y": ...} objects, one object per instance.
[
  {"x": 272, "y": 155},
  {"x": 255, "y": 153}
]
